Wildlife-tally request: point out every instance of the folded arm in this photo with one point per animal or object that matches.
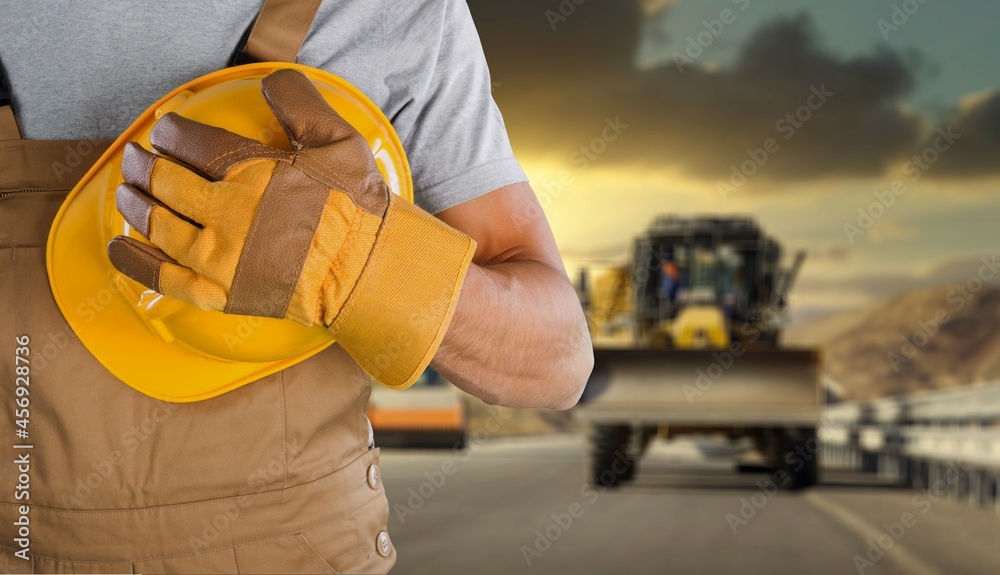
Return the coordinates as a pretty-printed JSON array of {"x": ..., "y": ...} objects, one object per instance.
[{"x": 518, "y": 337}]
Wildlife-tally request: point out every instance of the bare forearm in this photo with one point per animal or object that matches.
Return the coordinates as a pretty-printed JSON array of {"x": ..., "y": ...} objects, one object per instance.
[{"x": 518, "y": 337}]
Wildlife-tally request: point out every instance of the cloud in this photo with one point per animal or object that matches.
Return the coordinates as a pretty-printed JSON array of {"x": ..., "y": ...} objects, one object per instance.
[
  {"x": 569, "y": 80},
  {"x": 706, "y": 121},
  {"x": 977, "y": 152},
  {"x": 559, "y": 85}
]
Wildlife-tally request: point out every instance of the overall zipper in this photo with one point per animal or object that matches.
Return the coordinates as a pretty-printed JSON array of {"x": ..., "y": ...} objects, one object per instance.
[{"x": 12, "y": 192}]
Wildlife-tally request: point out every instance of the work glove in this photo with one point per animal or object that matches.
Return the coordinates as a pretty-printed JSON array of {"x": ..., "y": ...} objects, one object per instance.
[{"x": 312, "y": 235}]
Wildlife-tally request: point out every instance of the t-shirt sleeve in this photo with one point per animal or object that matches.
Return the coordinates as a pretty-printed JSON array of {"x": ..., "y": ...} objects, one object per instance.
[{"x": 442, "y": 106}]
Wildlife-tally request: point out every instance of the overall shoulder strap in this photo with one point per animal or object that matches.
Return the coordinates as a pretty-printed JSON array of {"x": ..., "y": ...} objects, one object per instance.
[
  {"x": 278, "y": 32},
  {"x": 9, "y": 129}
]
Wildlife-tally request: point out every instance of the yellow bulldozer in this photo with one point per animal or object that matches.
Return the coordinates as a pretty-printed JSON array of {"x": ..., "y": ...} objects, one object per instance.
[{"x": 687, "y": 341}]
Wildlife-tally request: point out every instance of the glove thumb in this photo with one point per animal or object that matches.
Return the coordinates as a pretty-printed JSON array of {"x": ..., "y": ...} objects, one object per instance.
[{"x": 302, "y": 111}]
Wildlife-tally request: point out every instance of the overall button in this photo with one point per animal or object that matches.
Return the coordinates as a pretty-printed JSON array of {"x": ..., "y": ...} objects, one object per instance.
[
  {"x": 383, "y": 545},
  {"x": 373, "y": 476}
]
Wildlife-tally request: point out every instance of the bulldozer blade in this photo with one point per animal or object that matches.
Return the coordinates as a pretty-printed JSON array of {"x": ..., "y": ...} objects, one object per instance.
[{"x": 703, "y": 387}]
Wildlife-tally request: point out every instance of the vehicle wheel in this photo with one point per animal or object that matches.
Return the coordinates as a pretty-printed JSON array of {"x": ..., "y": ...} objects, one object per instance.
[
  {"x": 610, "y": 462},
  {"x": 800, "y": 458}
]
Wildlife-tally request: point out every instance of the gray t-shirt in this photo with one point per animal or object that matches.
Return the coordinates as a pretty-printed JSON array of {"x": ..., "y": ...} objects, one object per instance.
[{"x": 83, "y": 70}]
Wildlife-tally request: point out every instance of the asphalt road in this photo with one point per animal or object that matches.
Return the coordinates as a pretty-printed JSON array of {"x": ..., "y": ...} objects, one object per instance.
[{"x": 522, "y": 506}]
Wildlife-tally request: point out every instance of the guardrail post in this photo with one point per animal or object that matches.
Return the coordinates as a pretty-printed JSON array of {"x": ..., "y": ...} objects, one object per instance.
[
  {"x": 915, "y": 473},
  {"x": 979, "y": 485},
  {"x": 951, "y": 485},
  {"x": 996, "y": 493},
  {"x": 905, "y": 475},
  {"x": 923, "y": 479},
  {"x": 933, "y": 474},
  {"x": 869, "y": 461},
  {"x": 961, "y": 485}
]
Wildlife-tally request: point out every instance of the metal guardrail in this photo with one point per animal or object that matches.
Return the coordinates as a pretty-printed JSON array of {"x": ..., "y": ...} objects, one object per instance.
[{"x": 947, "y": 441}]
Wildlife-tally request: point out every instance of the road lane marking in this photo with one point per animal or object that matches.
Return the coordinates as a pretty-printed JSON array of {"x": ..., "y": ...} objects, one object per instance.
[{"x": 899, "y": 555}]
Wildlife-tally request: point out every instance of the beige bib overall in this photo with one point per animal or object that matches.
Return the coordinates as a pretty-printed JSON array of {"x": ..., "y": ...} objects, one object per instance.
[{"x": 275, "y": 477}]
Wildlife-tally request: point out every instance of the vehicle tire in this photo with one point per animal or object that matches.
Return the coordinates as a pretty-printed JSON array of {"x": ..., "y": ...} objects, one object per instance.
[
  {"x": 610, "y": 462},
  {"x": 800, "y": 458}
]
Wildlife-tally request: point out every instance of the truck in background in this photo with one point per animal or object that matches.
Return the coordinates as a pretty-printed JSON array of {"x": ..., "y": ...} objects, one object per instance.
[{"x": 431, "y": 414}]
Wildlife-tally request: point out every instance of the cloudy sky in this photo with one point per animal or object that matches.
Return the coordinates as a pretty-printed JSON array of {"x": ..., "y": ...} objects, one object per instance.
[{"x": 834, "y": 100}]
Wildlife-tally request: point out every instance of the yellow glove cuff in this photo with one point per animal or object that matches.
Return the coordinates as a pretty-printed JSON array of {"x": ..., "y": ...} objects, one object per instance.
[{"x": 396, "y": 316}]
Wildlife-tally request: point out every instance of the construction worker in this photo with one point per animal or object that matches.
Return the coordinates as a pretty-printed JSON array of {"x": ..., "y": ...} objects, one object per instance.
[
  {"x": 279, "y": 475},
  {"x": 669, "y": 279}
]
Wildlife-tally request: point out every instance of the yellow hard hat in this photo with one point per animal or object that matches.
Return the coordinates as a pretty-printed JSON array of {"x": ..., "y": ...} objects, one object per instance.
[{"x": 163, "y": 347}]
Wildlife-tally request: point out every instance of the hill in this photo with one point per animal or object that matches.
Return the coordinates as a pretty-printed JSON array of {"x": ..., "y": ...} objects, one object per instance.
[{"x": 920, "y": 339}]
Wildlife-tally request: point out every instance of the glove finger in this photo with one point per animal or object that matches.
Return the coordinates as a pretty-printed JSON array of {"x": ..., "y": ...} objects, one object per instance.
[
  {"x": 155, "y": 270},
  {"x": 206, "y": 148},
  {"x": 157, "y": 223},
  {"x": 136, "y": 207},
  {"x": 138, "y": 261},
  {"x": 307, "y": 118},
  {"x": 177, "y": 187}
]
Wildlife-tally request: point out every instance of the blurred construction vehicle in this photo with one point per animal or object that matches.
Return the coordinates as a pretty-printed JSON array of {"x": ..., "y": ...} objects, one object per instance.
[
  {"x": 430, "y": 414},
  {"x": 686, "y": 341}
]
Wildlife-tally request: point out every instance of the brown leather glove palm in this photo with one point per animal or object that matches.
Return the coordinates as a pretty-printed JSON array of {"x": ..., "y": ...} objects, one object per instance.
[{"x": 312, "y": 235}]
